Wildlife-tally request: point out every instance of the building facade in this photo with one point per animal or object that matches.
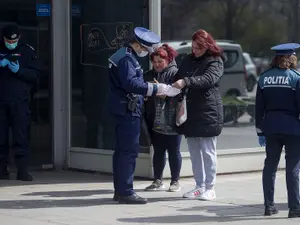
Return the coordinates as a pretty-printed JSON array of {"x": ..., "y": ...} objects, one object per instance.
[{"x": 71, "y": 127}]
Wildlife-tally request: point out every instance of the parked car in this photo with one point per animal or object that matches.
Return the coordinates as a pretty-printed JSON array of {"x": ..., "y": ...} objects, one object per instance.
[
  {"x": 251, "y": 78},
  {"x": 233, "y": 83}
]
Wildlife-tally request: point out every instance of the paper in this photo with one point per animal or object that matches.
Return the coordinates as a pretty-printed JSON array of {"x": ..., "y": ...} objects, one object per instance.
[{"x": 172, "y": 91}]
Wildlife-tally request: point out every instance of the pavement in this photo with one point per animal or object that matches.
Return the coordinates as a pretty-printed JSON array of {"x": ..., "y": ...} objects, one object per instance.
[{"x": 76, "y": 198}]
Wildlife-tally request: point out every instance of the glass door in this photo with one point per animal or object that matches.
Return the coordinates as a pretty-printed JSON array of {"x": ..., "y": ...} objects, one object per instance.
[{"x": 34, "y": 20}]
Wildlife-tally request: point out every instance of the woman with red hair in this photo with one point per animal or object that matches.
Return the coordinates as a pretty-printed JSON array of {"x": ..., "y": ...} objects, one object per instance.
[
  {"x": 164, "y": 71},
  {"x": 198, "y": 77}
]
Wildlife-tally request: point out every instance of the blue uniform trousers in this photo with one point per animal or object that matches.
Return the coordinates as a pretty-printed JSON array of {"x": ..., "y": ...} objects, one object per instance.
[
  {"x": 14, "y": 115},
  {"x": 127, "y": 129},
  {"x": 274, "y": 145}
]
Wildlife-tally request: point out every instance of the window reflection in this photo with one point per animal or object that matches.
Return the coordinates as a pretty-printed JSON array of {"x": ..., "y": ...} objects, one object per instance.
[{"x": 99, "y": 28}]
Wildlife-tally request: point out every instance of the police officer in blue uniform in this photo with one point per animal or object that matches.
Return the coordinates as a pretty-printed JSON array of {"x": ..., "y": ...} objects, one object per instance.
[
  {"x": 278, "y": 125},
  {"x": 127, "y": 89},
  {"x": 19, "y": 72}
]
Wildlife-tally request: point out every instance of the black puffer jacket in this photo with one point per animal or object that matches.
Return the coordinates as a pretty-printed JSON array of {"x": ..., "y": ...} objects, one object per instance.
[
  {"x": 204, "y": 101},
  {"x": 167, "y": 77}
]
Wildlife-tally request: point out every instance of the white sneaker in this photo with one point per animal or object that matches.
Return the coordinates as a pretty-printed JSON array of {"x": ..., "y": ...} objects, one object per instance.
[
  {"x": 208, "y": 195},
  {"x": 195, "y": 193}
]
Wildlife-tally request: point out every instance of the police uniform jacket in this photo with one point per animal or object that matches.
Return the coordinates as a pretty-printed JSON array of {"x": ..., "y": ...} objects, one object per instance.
[
  {"x": 125, "y": 81},
  {"x": 203, "y": 97},
  {"x": 278, "y": 102},
  {"x": 17, "y": 86}
]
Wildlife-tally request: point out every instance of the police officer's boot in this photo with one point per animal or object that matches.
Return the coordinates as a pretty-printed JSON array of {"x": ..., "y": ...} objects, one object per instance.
[
  {"x": 24, "y": 176},
  {"x": 116, "y": 197},
  {"x": 22, "y": 173},
  {"x": 4, "y": 174},
  {"x": 294, "y": 213},
  {"x": 271, "y": 210},
  {"x": 132, "y": 199}
]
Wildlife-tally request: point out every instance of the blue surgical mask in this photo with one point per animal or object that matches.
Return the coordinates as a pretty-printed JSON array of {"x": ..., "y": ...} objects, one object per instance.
[{"x": 11, "y": 46}]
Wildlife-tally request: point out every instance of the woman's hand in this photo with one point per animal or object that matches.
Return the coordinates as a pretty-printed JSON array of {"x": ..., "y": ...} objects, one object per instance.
[{"x": 179, "y": 84}]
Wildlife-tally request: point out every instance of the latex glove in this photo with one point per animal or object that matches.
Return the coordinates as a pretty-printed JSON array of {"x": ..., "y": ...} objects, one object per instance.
[
  {"x": 14, "y": 66},
  {"x": 4, "y": 62},
  {"x": 172, "y": 91},
  {"x": 179, "y": 84},
  {"x": 161, "y": 89},
  {"x": 262, "y": 141}
]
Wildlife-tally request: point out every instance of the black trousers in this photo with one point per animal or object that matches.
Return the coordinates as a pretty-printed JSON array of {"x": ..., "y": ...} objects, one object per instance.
[
  {"x": 14, "y": 116},
  {"x": 274, "y": 145},
  {"x": 161, "y": 144}
]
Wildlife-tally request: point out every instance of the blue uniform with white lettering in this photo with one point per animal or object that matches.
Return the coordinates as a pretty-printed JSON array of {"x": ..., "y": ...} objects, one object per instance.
[
  {"x": 278, "y": 125},
  {"x": 127, "y": 85},
  {"x": 278, "y": 99}
]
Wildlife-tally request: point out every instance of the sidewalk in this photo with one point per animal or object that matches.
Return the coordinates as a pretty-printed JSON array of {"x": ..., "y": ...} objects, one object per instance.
[{"x": 72, "y": 198}]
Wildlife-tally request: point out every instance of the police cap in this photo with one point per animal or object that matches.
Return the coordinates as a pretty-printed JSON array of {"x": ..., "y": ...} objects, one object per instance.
[
  {"x": 11, "y": 32},
  {"x": 146, "y": 38},
  {"x": 286, "y": 49}
]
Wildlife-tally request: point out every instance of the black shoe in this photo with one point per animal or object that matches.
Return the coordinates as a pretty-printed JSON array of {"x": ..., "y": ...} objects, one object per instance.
[
  {"x": 116, "y": 197},
  {"x": 24, "y": 177},
  {"x": 270, "y": 210},
  {"x": 132, "y": 199},
  {"x": 4, "y": 176},
  {"x": 294, "y": 213}
]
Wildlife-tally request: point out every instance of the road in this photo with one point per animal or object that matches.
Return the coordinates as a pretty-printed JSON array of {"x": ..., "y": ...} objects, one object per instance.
[
  {"x": 241, "y": 135},
  {"x": 236, "y": 136}
]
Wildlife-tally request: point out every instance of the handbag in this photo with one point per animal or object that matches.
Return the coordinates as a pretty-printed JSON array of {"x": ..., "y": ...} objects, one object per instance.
[{"x": 181, "y": 112}]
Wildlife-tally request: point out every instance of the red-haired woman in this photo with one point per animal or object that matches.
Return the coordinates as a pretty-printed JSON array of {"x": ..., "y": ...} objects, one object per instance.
[
  {"x": 164, "y": 71},
  {"x": 198, "y": 77}
]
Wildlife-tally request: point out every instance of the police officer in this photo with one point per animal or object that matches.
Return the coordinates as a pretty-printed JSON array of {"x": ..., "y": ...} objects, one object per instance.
[
  {"x": 18, "y": 73},
  {"x": 127, "y": 88},
  {"x": 278, "y": 125}
]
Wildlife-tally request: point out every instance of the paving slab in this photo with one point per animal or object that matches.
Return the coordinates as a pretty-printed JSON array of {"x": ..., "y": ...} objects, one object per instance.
[{"x": 74, "y": 198}]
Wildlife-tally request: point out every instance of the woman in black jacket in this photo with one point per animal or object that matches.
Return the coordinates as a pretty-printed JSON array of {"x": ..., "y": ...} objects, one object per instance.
[
  {"x": 198, "y": 77},
  {"x": 164, "y": 71}
]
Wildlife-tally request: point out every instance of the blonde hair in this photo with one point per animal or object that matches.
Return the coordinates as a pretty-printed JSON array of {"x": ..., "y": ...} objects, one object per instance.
[{"x": 285, "y": 62}]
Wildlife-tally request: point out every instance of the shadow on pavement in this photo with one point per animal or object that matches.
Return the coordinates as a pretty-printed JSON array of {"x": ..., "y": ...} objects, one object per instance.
[
  {"x": 58, "y": 177},
  {"x": 218, "y": 214},
  {"x": 54, "y": 203},
  {"x": 60, "y": 203}
]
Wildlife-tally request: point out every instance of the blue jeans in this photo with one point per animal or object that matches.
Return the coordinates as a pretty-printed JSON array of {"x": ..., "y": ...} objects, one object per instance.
[{"x": 161, "y": 144}]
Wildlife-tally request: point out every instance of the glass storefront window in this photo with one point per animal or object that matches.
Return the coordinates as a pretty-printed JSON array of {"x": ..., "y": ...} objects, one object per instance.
[{"x": 99, "y": 28}]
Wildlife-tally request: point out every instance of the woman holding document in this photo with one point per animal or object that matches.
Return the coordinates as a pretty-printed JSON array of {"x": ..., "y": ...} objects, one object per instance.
[{"x": 163, "y": 140}]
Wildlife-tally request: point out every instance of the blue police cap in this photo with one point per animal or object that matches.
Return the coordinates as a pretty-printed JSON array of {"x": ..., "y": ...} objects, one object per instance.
[
  {"x": 286, "y": 49},
  {"x": 146, "y": 38}
]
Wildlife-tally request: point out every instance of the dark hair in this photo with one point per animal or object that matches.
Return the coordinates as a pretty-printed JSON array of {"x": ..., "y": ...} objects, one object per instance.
[
  {"x": 164, "y": 52},
  {"x": 204, "y": 39},
  {"x": 284, "y": 62}
]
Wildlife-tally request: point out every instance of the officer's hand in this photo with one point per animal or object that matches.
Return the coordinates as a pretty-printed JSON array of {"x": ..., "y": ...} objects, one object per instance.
[
  {"x": 162, "y": 89},
  {"x": 262, "y": 141},
  {"x": 14, "y": 66},
  {"x": 4, "y": 62}
]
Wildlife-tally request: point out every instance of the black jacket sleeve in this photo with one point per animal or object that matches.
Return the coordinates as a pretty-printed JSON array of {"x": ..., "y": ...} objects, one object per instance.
[
  {"x": 212, "y": 74},
  {"x": 30, "y": 71}
]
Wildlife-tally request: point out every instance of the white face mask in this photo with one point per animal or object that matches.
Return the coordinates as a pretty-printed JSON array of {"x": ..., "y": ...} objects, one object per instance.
[{"x": 142, "y": 54}]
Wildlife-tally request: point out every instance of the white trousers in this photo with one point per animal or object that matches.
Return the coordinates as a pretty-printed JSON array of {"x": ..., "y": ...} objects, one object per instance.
[{"x": 204, "y": 160}]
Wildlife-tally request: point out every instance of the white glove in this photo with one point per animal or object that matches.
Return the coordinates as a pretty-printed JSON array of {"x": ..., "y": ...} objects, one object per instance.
[
  {"x": 162, "y": 89},
  {"x": 172, "y": 91}
]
